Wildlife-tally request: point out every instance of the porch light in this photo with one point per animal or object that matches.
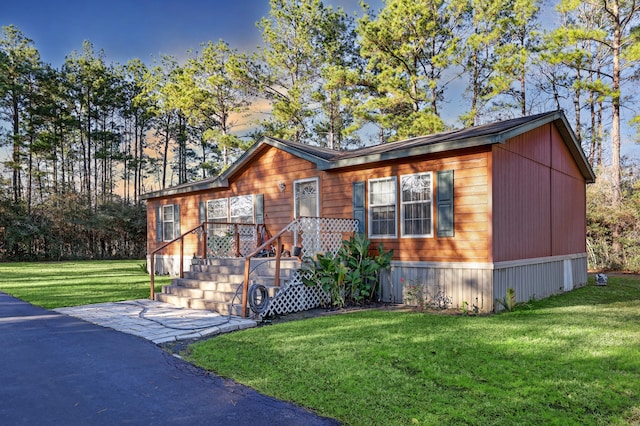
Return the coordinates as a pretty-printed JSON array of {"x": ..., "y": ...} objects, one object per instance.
[{"x": 282, "y": 186}]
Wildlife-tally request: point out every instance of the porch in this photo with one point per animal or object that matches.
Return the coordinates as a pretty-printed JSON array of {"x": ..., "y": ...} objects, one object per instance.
[{"x": 240, "y": 268}]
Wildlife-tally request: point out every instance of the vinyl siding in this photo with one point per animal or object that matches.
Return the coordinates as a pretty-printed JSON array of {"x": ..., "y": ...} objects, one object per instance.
[{"x": 538, "y": 198}]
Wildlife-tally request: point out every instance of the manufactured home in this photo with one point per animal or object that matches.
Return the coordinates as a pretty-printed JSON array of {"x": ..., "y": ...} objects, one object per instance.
[{"x": 468, "y": 213}]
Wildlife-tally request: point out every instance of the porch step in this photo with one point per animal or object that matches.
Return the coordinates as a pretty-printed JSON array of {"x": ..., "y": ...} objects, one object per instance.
[
  {"x": 211, "y": 284},
  {"x": 213, "y": 301},
  {"x": 196, "y": 303}
]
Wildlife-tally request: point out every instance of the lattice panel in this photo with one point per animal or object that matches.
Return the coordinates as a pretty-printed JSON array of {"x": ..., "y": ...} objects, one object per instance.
[
  {"x": 248, "y": 239},
  {"x": 222, "y": 243},
  {"x": 296, "y": 297},
  {"x": 323, "y": 234}
]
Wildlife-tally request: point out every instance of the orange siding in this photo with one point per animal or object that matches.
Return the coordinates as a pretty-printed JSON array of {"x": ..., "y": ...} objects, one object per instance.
[
  {"x": 470, "y": 243},
  {"x": 266, "y": 171},
  {"x": 518, "y": 200},
  {"x": 538, "y": 198},
  {"x": 471, "y": 202}
]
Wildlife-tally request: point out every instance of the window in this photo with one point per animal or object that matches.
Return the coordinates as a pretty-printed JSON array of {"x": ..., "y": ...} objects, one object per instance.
[
  {"x": 241, "y": 209},
  {"x": 382, "y": 207},
  {"x": 416, "y": 205},
  {"x": 217, "y": 210},
  {"x": 168, "y": 222}
]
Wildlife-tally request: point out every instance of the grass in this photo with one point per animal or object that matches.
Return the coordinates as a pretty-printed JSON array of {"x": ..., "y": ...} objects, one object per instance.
[
  {"x": 569, "y": 359},
  {"x": 57, "y": 284}
]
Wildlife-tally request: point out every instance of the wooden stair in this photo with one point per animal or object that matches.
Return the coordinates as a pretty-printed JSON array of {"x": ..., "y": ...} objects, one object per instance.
[{"x": 211, "y": 284}]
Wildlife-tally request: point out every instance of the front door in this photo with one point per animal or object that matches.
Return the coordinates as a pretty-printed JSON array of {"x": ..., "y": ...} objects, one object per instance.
[
  {"x": 306, "y": 203},
  {"x": 306, "y": 198}
]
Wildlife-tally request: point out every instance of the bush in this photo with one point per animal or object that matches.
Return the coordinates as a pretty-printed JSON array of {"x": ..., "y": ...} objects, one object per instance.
[{"x": 351, "y": 276}]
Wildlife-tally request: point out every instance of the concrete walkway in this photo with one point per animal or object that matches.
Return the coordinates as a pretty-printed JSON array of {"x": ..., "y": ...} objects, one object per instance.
[{"x": 157, "y": 321}]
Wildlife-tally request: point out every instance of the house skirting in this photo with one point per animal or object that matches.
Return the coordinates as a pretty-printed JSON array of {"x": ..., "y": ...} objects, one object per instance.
[
  {"x": 480, "y": 284},
  {"x": 167, "y": 264}
]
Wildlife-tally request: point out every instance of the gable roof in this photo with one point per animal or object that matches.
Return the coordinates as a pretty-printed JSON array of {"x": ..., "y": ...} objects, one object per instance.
[{"x": 327, "y": 159}]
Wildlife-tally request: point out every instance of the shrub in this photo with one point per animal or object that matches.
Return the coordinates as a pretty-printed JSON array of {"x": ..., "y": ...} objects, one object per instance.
[{"x": 351, "y": 276}]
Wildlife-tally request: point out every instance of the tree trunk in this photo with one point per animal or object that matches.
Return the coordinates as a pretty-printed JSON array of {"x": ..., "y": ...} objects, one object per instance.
[
  {"x": 16, "y": 183},
  {"x": 615, "y": 112}
]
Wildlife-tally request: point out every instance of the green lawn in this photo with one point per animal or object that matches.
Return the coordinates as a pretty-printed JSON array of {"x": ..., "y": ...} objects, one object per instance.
[
  {"x": 570, "y": 359},
  {"x": 58, "y": 284}
]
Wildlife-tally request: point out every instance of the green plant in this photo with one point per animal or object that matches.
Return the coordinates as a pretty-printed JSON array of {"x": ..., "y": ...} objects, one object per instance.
[
  {"x": 352, "y": 275},
  {"x": 509, "y": 301},
  {"x": 328, "y": 271},
  {"x": 417, "y": 294},
  {"x": 362, "y": 276},
  {"x": 414, "y": 295}
]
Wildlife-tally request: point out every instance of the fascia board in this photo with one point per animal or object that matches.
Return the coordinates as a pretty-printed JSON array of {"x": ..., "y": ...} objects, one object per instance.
[{"x": 416, "y": 151}]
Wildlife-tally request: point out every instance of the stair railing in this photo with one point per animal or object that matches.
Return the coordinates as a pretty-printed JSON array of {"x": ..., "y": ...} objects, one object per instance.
[{"x": 203, "y": 246}]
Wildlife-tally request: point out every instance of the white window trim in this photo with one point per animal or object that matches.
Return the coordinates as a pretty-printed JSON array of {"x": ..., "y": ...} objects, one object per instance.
[
  {"x": 402, "y": 204},
  {"x": 253, "y": 208},
  {"x": 213, "y": 219},
  {"x": 370, "y": 205},
  {"x": 295, "y": 205},
  {"x": 164, "y": 220}
]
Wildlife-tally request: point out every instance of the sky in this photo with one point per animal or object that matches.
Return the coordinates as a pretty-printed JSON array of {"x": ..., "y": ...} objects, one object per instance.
[{"x": 144, "y": 29}]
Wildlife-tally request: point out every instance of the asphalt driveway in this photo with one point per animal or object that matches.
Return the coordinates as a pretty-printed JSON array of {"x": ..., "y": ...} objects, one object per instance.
[{"x": 60, "y": 370}]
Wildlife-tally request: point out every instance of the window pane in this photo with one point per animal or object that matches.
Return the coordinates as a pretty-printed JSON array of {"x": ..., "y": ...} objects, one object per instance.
[
  {"x": 383, "y": 220},
  {"x": 416, "y": 204},
  {"x": 168, "y": 231},
  {"x": 241, "y": 209},
  {"x": 168, "y": 213},
  {"x": 382, "y": 207},
  {"x": 217, "y": 210}
]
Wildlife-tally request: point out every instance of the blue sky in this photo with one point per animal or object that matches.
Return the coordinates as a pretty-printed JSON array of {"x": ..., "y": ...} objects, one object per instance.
[{"x": 144, "y": 29}]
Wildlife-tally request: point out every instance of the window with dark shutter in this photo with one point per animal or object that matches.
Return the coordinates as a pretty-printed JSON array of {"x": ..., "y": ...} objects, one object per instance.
[{"x": 445, "y": 219}]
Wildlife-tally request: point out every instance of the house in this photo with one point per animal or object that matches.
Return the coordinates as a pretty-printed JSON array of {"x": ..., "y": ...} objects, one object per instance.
[{"x": 468, "y": 213}]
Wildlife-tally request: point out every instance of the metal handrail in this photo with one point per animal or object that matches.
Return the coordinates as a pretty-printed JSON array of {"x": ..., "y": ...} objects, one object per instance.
[{"x": 202, "y": 228}]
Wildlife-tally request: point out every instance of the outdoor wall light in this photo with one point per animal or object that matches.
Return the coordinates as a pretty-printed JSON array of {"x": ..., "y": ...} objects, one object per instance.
[{"x": 282, "y": 186}]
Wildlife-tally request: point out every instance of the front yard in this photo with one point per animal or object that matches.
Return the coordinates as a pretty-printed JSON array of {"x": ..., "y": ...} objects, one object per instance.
[
  {"x": 57, "y": 284},
  {"x": 570, "y": 359}
]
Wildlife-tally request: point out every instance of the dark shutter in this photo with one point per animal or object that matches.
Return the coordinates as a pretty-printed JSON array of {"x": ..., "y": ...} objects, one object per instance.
[
  {"x": 258, "y": 208},
  {"x": 176, "y": 220},
  {"x": 159, "y": 223},
  {"x": 445, "y": 226},
  {"x": 358, "y": 196},
  {"x": 202, "y": 212}
]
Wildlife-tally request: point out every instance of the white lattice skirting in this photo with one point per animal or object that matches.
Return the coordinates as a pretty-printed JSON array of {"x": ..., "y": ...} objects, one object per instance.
[{"x": 296, "y": 298}]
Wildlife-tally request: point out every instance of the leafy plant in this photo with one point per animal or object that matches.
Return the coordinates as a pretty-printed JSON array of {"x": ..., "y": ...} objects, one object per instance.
[
  {"x": 509, "y": 301},
  {"x": 328, "y": 272},
  {"x": 352, "y": 275}
]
